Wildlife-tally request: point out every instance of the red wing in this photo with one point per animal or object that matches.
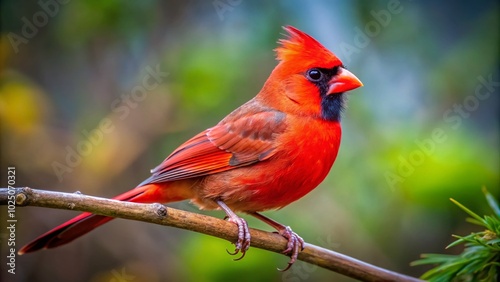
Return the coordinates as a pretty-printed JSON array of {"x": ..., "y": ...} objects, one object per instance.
[{"x": 228, "y": 145}]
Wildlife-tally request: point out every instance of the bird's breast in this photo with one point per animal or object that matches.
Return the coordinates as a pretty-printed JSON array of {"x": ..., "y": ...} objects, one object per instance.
[
  {"x": 307, "y": 159},
  {"x": 305, "y": 155}
]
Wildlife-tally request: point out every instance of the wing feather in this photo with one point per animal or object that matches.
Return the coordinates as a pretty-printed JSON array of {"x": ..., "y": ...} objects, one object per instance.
[{"x": 238, "y": 140}]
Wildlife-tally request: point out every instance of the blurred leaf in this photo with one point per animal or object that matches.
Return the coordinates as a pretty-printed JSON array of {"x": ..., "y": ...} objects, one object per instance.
[
  {"x": 22, "y": 106},
  {"x": 492, "y": 202},
  {"x": 112, "y": 18}
]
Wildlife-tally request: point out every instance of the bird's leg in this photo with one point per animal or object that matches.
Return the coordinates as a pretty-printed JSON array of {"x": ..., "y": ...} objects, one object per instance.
[
  {"x": 243, "y": 242},
  {"x": 295, "y": 242}
]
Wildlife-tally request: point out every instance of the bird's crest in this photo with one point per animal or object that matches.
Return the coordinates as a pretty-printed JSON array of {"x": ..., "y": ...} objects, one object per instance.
[{"x": 301, "y": 47}]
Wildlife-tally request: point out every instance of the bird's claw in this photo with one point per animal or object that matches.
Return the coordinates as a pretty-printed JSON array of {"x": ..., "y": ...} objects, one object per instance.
[
  {"x": 243, "y": 242},
  {"x": 294, "y": 246}
]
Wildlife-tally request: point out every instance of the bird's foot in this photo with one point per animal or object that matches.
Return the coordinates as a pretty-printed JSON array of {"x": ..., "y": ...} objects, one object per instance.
[
  {"x": 294, "y": 246},
  {"x": 243, "y": 242},
  {"x": 295, "y": 243}
]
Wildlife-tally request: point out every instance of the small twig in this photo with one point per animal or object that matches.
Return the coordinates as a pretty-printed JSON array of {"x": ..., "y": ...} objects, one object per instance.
[{"x": 160, "y": 214}]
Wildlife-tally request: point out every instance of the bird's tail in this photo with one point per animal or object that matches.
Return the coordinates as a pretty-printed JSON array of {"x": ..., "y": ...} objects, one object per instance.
[{"x": 87, "y": 222}]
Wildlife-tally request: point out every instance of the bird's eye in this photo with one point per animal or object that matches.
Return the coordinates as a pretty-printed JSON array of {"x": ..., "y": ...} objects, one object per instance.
[{"x": 314, "y": 75}]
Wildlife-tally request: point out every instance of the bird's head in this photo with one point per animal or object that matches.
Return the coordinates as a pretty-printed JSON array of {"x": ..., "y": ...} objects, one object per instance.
[{"x": 309, "y": 79}]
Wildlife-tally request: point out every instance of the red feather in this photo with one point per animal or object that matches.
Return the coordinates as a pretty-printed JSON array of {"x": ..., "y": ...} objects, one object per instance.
[{"x": 244, "y": 137}]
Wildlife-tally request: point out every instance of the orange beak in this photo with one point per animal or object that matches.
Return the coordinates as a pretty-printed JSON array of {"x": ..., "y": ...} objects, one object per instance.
[{"x": 343, "y": 81}]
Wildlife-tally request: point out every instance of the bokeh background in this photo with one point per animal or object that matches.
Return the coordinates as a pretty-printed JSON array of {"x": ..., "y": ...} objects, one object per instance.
[{"x": 423, "y": 129}]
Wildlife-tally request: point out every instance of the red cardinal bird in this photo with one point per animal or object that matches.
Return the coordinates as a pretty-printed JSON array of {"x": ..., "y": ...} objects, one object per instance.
[{"x": 266, "y": 154}]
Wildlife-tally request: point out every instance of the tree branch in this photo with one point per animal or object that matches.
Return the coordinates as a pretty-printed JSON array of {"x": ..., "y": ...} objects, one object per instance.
[{"x": 160, "y": 214}]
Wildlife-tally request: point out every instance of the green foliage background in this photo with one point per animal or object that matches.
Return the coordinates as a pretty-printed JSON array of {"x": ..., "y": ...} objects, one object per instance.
[
  {"x": 480, "y": 259},
  {"x": 386, "y": 198}
]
